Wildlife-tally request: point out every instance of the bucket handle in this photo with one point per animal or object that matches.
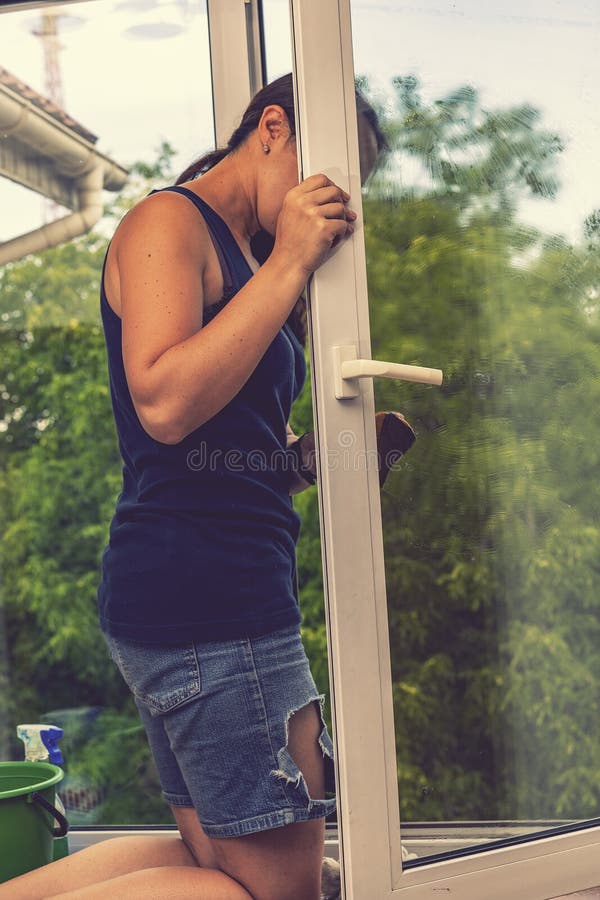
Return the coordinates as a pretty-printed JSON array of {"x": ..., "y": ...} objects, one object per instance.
[{"x": 63, "y": 826}]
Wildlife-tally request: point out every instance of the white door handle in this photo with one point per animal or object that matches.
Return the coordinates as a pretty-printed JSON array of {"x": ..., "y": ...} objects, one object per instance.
[{"x": 348, "y": 368}]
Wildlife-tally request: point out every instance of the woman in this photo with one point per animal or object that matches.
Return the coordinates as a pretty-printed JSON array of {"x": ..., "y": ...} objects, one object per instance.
[{"x": 197, "y": 598}]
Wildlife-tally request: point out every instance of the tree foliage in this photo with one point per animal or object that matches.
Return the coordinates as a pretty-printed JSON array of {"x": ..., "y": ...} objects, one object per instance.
[
  {"x": 491, "y": 525},
  {"x": 59, "y": 480}
]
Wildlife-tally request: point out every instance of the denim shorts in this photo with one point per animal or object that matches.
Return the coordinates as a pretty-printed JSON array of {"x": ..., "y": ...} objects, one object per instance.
[{"x": 216, "y": 717}]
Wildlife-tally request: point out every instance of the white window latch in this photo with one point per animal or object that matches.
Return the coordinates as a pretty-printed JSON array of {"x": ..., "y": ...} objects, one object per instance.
[{"x": 347, "y": 369}]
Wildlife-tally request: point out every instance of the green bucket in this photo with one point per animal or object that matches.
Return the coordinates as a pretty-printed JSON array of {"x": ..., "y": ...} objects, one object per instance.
[{"x": 29, "y": 820}]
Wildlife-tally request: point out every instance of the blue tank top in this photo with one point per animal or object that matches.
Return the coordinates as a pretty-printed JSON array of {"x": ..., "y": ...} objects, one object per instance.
[{"x": 202, "y": 544}]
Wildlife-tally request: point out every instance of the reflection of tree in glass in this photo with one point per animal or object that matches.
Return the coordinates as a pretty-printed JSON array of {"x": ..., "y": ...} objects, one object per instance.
[
  {"x": 491, "y": 528},
  {"x": 483, "y": 157}
]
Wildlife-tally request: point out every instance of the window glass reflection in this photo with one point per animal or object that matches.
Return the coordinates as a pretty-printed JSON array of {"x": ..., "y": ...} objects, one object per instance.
[{"x": 482, "y": 235}]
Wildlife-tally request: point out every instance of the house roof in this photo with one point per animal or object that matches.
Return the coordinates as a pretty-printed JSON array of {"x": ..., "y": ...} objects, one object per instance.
[{"x": 10, "y": 81}]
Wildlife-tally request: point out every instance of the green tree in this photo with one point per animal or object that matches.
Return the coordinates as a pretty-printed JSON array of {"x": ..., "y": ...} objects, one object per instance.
[
  {"x": 59, "y": 478},
  {"x": 491, "y": 525}
]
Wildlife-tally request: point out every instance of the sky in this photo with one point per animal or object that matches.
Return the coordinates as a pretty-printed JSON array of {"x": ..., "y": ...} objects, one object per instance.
[
  {"x": 544, "y": 53},
  {"x": 136, "y": 72}
]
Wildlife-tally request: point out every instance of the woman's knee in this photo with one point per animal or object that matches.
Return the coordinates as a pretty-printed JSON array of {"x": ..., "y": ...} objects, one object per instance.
[{"x": 276, "y": 864}]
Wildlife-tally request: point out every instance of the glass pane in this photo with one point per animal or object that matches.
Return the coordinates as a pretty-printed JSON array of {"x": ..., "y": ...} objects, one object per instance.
[
  {"x": 278, "y": 47},
  {"x": 482, "y": 232},
  {"x": 132, "y": 81}
]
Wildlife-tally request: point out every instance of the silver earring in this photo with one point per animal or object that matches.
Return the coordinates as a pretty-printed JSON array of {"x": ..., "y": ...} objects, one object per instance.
[{"x": 266, "y": 148}]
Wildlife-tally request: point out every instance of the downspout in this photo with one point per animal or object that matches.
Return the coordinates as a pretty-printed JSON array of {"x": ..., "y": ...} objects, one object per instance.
[
  {"x": 73, "y": 156},
  {"x": 89, "y": 189}
]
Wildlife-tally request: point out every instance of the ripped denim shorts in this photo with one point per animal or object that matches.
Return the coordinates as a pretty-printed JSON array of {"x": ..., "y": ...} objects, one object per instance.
[{"x": 216, "y": 717}]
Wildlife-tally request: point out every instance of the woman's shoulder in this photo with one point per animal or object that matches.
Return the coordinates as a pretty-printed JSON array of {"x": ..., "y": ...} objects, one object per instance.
[
  {"x": 166, "y": 218},
  {"x": 160, "y": 207},
  {"x": 166, "y": 223}
]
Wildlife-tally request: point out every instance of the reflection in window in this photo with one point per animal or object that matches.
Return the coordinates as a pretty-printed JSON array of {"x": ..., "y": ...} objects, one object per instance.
[
  {"x": 483, "y": 247},
  {"x": 120, "y": 103}
]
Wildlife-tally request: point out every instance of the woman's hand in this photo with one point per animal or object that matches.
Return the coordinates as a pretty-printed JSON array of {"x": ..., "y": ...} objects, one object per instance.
[
  {"x": 313, "y": 219},
  {"x": 394, "y": 438}
]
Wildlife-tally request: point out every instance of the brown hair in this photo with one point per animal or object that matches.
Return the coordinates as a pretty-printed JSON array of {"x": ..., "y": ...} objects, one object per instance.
[{"x": 279, "y": 93}]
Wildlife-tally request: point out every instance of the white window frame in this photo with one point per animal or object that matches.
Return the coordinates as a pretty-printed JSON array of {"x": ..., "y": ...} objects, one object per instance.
[
  {"x": 352, "y": 541},
  {"x": 236, "y": 60}
]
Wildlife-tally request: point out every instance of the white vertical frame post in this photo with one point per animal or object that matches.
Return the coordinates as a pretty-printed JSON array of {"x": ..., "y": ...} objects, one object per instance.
[
  {"x": 235, "y": 59},
  {"x": 352, "y": 544},
  {"x": 353, "y": 567}
]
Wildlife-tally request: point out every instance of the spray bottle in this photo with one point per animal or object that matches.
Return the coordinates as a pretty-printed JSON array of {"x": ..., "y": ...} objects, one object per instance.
[{"x": 41, "y": 745}]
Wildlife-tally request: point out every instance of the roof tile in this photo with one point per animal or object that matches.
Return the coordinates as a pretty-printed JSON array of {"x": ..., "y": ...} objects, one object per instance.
[{"x": 23, "y": 90}]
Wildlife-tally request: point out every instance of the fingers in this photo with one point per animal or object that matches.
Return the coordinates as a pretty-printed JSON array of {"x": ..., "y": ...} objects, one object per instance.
[
  {"x": 329, "y": 199},
  {"x": 337, "y": 211},
  {"x": 319, "y": 190},
  {"x": 314, "y": 219},
  {"x": 330, "y": 194},
  {"x": 336, "y": 238},
  {"x": 329, "y": 203},
  {"x": 319, "y": 181}
]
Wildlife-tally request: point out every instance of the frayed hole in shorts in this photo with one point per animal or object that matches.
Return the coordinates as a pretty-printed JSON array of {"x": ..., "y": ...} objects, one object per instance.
[{"x": 288, "y": 771}]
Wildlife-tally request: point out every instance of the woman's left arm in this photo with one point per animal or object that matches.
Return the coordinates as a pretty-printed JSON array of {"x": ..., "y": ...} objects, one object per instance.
[{"x": 394, "y": 437}]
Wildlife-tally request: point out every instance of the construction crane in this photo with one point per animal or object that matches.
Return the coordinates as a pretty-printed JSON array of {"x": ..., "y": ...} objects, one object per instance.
[{"x": 46, "y": 30}]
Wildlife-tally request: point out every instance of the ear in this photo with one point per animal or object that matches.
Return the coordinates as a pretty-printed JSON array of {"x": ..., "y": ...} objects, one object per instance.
[{"x": 274, "y": 125}]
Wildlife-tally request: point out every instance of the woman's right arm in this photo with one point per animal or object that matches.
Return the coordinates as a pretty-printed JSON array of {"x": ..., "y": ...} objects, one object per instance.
[{"x": 180, "y": 373}]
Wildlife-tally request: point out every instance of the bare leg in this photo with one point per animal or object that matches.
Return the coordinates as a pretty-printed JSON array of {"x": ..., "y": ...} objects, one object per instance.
[
  {"x": 280, "y": 863},
  {"x": 165, "y": 883},
  {"x": 99, "y": 862},
  {"x": 199, "y": 845}
]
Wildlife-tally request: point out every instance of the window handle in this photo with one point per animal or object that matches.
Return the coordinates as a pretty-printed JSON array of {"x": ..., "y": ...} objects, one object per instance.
[{"x": 348, "y": 369}]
